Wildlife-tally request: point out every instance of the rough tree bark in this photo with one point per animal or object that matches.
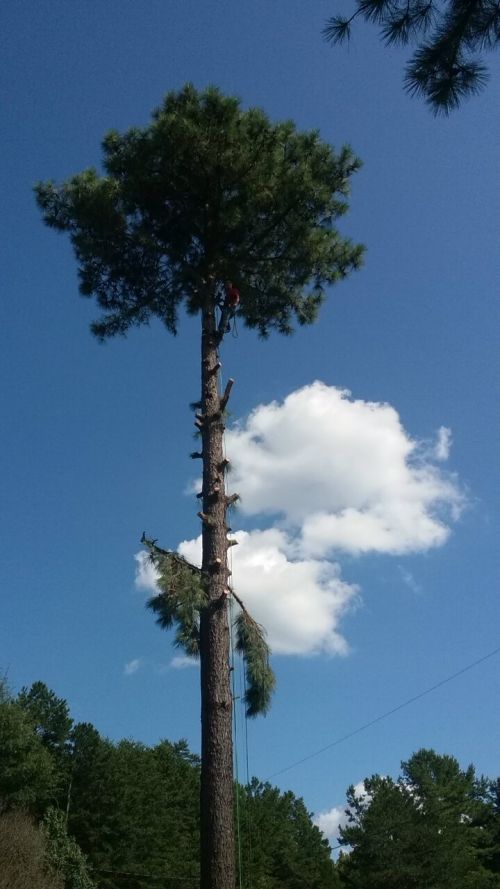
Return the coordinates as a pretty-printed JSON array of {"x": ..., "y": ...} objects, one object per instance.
[{"x": 217, "y": 789}]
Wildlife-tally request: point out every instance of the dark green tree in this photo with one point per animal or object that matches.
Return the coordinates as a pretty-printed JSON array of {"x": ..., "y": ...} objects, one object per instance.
[
  {"x": 52, "y": 723},
  {"x": 49, "y": 714},
  {"x": 206, "y": 195},
  {"x": 134, "y": 811},
  {"x": 448, "y": 36},
  {"x": 423, "y": 830},
  {"x": 94, "y": 812},
  {"x": 28, "y": 777},
  {"x": 491, "y": 827},
  {"x": 280, "y": 845}
]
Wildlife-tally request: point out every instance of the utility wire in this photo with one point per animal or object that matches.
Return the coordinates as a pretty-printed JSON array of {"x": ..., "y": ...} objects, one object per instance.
[
  {"x": 235, "y": 747},
  {"x": 388, "y": 713}
]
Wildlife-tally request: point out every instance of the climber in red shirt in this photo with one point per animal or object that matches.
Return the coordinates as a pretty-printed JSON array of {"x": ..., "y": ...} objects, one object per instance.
[{"x": 228, "y": 308}]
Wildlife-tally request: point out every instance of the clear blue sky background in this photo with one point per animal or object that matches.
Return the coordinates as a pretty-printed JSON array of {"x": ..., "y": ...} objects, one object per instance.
[{"x": 95, "y": 438}]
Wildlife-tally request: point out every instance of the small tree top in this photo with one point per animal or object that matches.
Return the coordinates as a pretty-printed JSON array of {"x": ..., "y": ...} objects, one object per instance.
[{"x": 207, "y": 194}]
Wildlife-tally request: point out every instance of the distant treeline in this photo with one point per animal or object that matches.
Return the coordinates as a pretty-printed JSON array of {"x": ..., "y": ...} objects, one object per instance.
[
  {"x": 133, "y": 810},
  {"x": 78, "y": 811}
]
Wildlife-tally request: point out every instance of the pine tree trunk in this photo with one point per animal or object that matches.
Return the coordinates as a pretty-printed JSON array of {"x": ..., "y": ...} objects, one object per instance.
[{"x": 217, "y": 790}]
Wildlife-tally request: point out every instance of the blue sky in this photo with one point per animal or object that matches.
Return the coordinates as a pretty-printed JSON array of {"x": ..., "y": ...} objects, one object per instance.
[{"x": 96, "y": 438}]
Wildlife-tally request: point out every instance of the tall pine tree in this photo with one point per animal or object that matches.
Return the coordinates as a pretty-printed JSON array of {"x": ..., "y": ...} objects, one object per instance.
[{"x": 206, "y": 197}]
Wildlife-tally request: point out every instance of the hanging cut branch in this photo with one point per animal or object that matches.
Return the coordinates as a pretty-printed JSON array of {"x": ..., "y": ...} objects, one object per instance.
[
  {"x": 182, "y": 597},
  {"x": 260, "y": 679}
]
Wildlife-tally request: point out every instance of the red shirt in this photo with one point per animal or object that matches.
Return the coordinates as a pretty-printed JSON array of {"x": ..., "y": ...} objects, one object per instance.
[{"x": 233, "y": 296}]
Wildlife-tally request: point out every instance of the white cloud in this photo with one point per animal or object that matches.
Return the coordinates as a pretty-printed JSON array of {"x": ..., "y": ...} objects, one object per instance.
[
  {"x": 181, "y": 662},
  {"x": 146, "y": 575},
  {"x": 299, "y": 601},
  {"x": 409, "y": 580},
  {"x": 132, "y": 666},
  {"x": 330, "y": 474},
  {"x": 343, "y": 473},
  {"x": 443, "y": 443},
  {"x": 330, "y": 821}
]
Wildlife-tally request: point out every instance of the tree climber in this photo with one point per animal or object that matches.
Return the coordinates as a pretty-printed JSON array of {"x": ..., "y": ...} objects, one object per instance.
[{"x": 228, "y": 307}]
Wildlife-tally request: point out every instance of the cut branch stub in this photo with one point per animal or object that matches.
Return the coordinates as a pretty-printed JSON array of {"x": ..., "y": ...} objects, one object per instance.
[
  {"x": 216, "y": 367},
  {"x": 206, "y": 519},
  {"x": 232, "y": 499},
  {"x": 225, "y": 397}
]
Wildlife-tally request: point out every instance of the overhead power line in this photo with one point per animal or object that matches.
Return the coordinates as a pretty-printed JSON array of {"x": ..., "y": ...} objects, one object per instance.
[{"x": 388, "y": 713}]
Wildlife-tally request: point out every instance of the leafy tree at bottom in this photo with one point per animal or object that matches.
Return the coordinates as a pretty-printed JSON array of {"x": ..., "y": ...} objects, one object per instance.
[
  {"x": 28, "y": 775},
  {"x": 63, "y": 854},
  {"x": 280, "y": 845},
  {"x": 423, "y": 831}
]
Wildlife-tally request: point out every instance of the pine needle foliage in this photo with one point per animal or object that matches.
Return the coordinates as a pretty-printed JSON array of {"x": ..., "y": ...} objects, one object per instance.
[
  {"x": 179, "y": 603},
  {"x": 206, "y": 193},
  {"x": 448, "y": 36},
  {"x": 260, "y": 679},
  {"x": 181, "y": 598}
]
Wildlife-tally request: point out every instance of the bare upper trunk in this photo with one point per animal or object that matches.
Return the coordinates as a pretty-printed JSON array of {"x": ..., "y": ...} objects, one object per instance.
[{"x": 217, "y": 790}]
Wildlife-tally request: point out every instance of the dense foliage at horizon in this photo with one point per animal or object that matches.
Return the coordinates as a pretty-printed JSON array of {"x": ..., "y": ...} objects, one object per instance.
[
  {"x": 133, "y": 810},
  {"x": 115, "y": 815}
]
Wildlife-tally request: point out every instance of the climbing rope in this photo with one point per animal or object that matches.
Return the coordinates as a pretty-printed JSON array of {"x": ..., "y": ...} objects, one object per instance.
[
  {"x": 232, "y": 664},
  {"x": 235, "y": 747}
]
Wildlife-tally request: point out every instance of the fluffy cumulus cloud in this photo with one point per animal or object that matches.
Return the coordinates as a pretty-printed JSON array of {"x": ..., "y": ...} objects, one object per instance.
[
  {"x": 326, "y": 474},
  {"x": 343, "y": 473}
]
